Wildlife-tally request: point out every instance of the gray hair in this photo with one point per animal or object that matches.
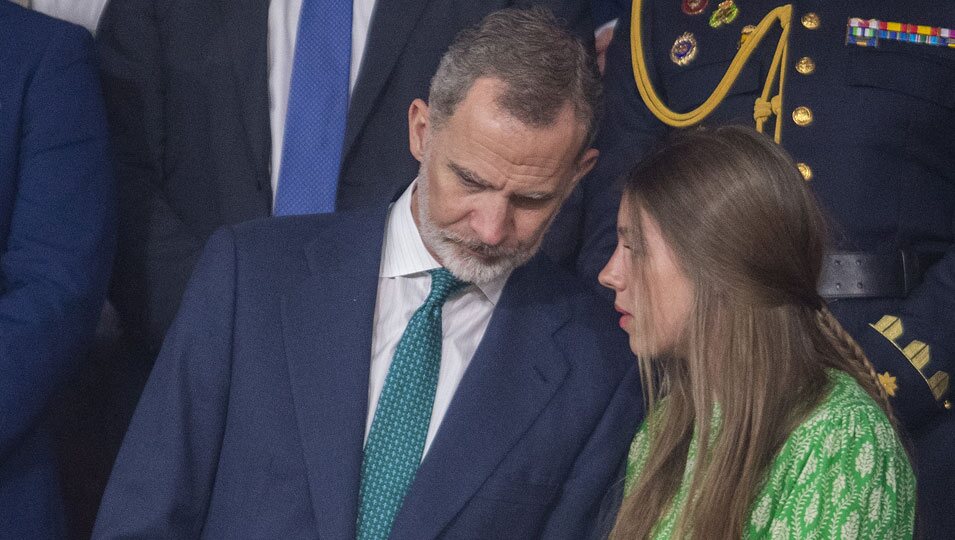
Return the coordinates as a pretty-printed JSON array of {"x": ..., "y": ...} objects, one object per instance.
[{"x": 542, "y": 65}]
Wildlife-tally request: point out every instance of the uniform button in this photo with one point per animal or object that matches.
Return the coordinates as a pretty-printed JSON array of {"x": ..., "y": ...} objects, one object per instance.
[
  {"x": 802, "y": 116},
  {"x": 805, "y": 65},
  {"x": 810, "y": 20},
  {"x": 948, "y": 405},
  {"x": 805, "y": 171}
]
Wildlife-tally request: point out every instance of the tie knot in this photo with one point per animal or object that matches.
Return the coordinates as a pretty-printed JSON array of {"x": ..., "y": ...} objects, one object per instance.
[{"x": 443, "y": 283}]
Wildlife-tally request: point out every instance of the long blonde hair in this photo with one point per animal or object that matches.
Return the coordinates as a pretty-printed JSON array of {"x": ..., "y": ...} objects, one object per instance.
[{"x": 750, "y": 237}]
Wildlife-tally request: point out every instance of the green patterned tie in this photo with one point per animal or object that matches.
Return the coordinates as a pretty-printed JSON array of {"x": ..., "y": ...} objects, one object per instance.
[{"x": 400, "y": 428}]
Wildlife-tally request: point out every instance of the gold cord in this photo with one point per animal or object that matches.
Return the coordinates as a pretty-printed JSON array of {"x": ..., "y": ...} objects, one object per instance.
[{"x": 765, "y": 105}]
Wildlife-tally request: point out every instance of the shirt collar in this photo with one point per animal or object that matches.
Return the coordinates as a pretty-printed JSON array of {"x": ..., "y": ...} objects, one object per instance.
[{"x": 404, "y": 252}]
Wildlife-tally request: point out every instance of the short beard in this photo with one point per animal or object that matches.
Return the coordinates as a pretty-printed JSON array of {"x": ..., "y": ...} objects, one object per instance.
[{"x": 456, "y": 252}]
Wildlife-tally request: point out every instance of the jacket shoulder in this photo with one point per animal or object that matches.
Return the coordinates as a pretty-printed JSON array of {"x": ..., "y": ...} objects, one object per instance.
[
  {"x": 32, "y": 31},
  {"x": 279, "y": 244}
]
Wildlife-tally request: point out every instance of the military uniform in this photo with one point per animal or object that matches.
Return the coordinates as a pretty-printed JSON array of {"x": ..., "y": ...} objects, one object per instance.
[{"x": 866, "y": 111}]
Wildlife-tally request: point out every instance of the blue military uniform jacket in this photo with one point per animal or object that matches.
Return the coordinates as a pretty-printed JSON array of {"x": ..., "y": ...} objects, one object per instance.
[{"x": 870, "y": 127}]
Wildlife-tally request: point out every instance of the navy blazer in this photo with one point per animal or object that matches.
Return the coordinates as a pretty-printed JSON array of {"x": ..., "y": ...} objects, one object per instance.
[
  {"x": 883, "y": 166},
  {"x": 252, "y": 423},
  {"x": 56, "y": 245}
]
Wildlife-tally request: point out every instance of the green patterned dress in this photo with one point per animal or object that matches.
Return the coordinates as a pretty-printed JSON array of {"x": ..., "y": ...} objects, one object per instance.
[{"x": 841, "y": 474}]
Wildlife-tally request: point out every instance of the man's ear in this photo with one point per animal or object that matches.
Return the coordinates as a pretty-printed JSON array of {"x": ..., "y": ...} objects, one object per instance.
[
  {"x": 418, "y": 127},
  {"x": 585, "y": 163}
]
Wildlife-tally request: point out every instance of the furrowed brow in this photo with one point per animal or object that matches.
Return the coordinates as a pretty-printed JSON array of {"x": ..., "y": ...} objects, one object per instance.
[{"x": 467, "y": 175}]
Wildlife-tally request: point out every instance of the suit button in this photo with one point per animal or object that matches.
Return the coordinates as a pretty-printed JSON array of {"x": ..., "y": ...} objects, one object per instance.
[
  {"x": 805, "y": 65},
  {"x": 810, "y": 20},
  {"x": 805, "y": 171},
  {"x": 802, "y": 116}
]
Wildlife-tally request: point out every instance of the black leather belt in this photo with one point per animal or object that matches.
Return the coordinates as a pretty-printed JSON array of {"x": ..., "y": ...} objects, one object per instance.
[{"x": 858, "y": 274}]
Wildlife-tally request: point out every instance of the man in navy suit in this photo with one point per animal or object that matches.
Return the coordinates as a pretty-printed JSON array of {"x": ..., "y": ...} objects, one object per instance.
[
  {"x": 291, "y": 346},
  {"x": 196, "y": 94},
  {"x": 57, "y": 232}
]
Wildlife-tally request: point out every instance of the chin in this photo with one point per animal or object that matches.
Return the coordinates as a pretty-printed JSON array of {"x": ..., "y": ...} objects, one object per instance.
[
  {"x": 634, "y": 345},
  {"x": 470, "y": 268}
]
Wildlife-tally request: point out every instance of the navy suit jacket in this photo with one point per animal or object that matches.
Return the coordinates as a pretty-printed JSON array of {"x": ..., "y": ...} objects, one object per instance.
[
  {"x": 252, "y": 423},
  {"x": 56, "y": 246},
  {"x": 186, "y": 86}
]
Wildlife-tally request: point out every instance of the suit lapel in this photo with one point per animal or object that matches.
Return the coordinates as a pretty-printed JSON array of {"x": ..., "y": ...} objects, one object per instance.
[
  {"x": 391, "y": 28},
  {"x": 327, "y": 329},
  {"x": 513, "y": 375}
]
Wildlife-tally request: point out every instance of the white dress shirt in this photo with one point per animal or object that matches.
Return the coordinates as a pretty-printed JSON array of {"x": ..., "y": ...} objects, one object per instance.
[
  {"x": 403, "y": 285},
  {"x": 283, "y": 29}
]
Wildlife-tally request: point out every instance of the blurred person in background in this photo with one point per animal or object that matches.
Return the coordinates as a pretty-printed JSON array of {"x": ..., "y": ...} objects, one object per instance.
[
  {"x": 224, "y": 111},
  {"x": 57, "y": 235}
]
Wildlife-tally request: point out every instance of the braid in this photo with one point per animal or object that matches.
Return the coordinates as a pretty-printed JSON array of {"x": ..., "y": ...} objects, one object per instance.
[{"x": 856, "y": 363}]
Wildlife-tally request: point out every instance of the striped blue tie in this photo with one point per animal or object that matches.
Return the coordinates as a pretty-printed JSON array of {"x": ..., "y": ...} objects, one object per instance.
[
  {"x": 317, "y": 107},
  {"x": 400, "y": 427}
]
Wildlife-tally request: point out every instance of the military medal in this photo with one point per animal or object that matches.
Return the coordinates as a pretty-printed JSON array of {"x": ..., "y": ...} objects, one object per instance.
[
  {"x": 694, "y": 7},
  {"x": 684, "y": 49},
  {"x": 867, "y": 33},
  {"x": 725, "y": 13}
]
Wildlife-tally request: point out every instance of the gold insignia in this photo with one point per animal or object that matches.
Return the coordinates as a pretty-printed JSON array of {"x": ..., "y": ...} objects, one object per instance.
[
  {"x": 918, "y": 353},
  {"x": 939, "y": 384},
  {"x": 888, "y": 382},
  {"x": 805, "y": 171},
  {"x": 890, "y": 327}
]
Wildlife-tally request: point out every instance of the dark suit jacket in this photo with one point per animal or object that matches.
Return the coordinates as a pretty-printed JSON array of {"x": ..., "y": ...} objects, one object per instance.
[
  {"x": 56, "y": 244},
  {"x": 883, "y": 165},
  {"x": 186, "y": 86},
  {"x": 252, "y": 423}
]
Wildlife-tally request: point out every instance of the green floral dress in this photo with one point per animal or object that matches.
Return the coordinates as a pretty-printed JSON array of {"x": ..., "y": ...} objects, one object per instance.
[{"x": 841, "y": 474}]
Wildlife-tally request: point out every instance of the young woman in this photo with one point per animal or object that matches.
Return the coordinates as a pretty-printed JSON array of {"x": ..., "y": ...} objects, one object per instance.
[{"x": 766, "y": 419}]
